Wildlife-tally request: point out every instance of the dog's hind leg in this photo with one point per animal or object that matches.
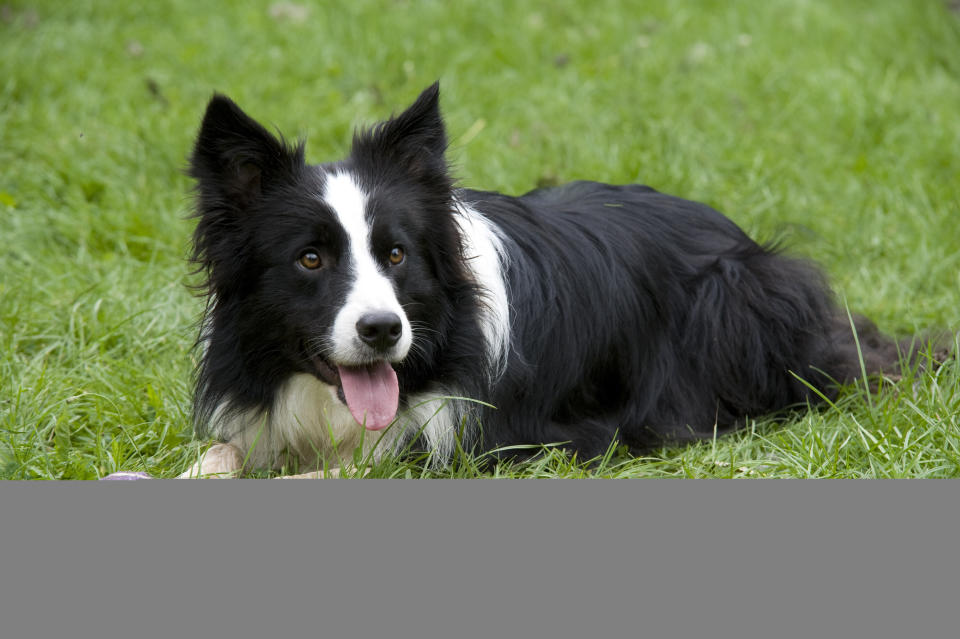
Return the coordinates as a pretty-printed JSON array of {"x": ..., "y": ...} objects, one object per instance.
[{"x": 219, "y": 461}]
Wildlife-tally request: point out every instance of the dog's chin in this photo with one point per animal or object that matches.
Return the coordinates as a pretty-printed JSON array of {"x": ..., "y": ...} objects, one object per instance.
[{"x": 370, "y": 390}]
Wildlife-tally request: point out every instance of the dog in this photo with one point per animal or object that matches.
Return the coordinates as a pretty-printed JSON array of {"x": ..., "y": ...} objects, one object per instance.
[{"x": 374, "y": 304}]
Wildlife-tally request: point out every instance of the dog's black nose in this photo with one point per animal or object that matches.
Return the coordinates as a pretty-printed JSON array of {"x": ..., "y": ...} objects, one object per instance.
[{"x": 379, "y": 330}]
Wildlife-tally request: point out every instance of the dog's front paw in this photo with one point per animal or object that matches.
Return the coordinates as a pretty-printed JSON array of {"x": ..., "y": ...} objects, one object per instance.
[
  {"x": 330, "y": 473},
  {"x": 219, "y": 461}
]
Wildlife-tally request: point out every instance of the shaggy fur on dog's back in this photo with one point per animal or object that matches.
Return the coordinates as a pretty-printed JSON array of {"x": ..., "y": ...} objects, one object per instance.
[
  {"x": 583, "y": 314},
  {"x": 657, "y": 318}
]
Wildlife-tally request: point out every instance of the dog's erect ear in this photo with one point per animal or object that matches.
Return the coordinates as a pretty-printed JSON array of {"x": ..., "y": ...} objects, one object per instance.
[
  {"x": 420, "y": 127},
  {"x": 416, "y": 139},
  {"x": 235, "y": 157}
]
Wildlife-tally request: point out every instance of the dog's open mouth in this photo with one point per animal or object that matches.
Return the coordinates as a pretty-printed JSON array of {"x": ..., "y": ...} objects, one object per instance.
[{"x": 370, "y": 391}]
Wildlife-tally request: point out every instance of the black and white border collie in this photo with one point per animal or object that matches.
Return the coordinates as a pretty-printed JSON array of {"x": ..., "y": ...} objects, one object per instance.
[{"x": 372, "y": 302}]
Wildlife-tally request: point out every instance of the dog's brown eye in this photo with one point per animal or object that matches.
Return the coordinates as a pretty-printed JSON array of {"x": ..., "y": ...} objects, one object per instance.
[
  {"x": 309, "y": 260},
  {"x": 396, "y": 255}
]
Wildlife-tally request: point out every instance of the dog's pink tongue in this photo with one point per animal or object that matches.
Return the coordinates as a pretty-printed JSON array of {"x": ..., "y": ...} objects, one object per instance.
[{"x": 372, "y": 393}]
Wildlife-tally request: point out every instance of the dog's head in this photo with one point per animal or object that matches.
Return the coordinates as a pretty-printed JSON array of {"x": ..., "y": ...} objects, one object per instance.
[{"x": 350, "y": 271}]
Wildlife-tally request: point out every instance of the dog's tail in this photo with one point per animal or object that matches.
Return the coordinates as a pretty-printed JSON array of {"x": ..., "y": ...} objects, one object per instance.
[{"x": 859, "y": 348}]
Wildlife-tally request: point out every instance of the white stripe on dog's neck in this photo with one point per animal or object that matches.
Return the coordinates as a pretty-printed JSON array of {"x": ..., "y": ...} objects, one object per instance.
[{"x": 486, "y": 259}]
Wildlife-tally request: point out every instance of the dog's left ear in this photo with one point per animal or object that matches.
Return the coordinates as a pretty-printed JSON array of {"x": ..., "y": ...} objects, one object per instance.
[
  {"x": 416, "y": 139},
  {"x": 235, "y": 158}
]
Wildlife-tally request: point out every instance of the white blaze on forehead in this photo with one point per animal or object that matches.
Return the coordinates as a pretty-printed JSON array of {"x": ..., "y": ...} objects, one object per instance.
[
  {"x": 372, "y": 291},
  {"x": 349, "y": 203}
]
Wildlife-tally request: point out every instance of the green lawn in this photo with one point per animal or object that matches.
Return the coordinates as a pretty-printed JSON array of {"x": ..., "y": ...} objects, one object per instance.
[{"x": 832, "y": 125}]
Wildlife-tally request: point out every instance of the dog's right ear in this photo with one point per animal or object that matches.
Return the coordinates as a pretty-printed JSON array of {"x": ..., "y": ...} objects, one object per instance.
[{"x": 235, "y": 158}]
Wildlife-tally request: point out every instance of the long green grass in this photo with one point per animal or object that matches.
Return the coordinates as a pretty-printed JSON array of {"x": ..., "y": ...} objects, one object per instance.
[{"x": 834, "y": 126}]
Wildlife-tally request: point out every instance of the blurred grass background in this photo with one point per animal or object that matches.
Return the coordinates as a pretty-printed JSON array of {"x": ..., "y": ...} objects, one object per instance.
[{"x": 833, "y": 125}]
